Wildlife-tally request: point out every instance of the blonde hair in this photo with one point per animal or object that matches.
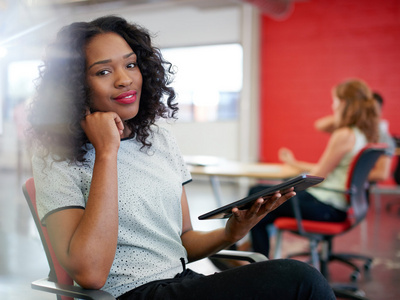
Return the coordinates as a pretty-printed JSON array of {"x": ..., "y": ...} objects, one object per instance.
[{"x": 360, "y": 110}]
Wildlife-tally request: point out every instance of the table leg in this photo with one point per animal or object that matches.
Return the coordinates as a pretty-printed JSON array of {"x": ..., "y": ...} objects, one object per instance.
[{"x": 216, "y": 187}]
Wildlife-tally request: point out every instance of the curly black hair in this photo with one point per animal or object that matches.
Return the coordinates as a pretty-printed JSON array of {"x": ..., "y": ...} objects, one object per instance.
[{"x": 63, "y": 94}]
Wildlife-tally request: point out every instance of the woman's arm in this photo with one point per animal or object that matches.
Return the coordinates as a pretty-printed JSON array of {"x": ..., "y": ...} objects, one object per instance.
[
  {"x": 341, "y": 142},
  {"x": 325, "y": 124},
  {"x": 381, "y": 170},
  {"x": 203, "y": 244},
  {"x": 85, "y": 240},
  {"x": 210, "y": 242},
  {"x": 287, "y": 156}
]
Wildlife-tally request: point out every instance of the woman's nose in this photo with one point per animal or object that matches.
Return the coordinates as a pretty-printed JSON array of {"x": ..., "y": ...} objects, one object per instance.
[{"x": 122, "y": 78}]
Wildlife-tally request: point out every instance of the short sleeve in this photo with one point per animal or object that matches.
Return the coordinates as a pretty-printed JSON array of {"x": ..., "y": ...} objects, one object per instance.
[
  {"x": 176, "y": 155},
  {"x": 57, "y": 186}
]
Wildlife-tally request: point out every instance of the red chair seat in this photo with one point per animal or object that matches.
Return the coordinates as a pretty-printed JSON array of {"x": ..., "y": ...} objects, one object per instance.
[{"x": 326, "y": 228}]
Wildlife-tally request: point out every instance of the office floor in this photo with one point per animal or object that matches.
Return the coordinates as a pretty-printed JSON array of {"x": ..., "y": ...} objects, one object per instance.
[{"x": 22, "y": 258}]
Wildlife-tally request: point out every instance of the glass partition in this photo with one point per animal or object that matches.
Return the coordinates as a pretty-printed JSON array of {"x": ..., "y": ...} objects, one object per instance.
[{"x": 208, "y": 81}]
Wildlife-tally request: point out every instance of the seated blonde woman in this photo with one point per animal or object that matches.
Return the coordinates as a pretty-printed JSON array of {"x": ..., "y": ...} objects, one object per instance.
[{"x": 356, "y": 123}]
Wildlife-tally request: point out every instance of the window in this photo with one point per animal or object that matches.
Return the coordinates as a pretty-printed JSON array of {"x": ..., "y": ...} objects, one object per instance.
[
  {"x": 208, "y": 81},
  {"x": 19, "y": 88},
  {"x": 21, "y": 76}
]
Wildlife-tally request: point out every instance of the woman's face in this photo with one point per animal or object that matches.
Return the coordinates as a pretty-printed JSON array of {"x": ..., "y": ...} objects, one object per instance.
[{"x": 114, "y": 79}]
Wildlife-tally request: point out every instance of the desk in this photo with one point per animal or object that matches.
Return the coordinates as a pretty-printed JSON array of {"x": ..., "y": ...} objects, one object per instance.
[
  {"x": 251, "y": 170},
  {"x": 214, "y": 167}
]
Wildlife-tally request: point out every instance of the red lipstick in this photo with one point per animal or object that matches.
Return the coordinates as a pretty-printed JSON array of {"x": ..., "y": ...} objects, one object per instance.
[{"x": 126, "y": 98}]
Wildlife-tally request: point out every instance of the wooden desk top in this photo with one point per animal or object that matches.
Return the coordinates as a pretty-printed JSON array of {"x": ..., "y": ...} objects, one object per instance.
[{"x": 227, "y": 168}]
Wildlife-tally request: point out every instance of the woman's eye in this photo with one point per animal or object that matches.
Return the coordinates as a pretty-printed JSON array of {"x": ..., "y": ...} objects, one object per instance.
[
  {"x": 103, "y": 72},
  {"x": 131, "y": 65}
]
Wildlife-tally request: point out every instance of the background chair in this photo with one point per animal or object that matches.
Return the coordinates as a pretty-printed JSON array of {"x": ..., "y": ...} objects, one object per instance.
[
  {"x": 61, "y": 284},
  {"x": 324, "y": 232},
  {"x": 389, "y": 187}
]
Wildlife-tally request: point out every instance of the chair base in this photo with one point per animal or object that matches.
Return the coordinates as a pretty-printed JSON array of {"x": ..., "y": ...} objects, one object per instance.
[
  {"x": 344, "y": 258},
  {"x": 348, "y": 292}
]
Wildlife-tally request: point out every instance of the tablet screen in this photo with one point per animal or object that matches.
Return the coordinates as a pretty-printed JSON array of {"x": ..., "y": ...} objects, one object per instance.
[{"x": 299, "y": 183}]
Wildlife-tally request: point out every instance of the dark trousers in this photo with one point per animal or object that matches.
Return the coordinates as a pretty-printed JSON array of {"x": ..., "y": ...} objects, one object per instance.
[
  {"x": 310, "y": 208},
  {"x": 274, "y": 279}
]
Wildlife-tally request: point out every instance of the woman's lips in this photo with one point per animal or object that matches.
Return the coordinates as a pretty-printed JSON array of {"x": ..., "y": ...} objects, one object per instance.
[{"x": 126, "y": 98}]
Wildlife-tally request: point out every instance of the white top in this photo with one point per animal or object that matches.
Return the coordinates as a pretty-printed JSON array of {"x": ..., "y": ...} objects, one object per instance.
[
  {"x": 386, "y": 138},
  {"x": 338, "y": 177},
  {"x": 150, "y": 215}
]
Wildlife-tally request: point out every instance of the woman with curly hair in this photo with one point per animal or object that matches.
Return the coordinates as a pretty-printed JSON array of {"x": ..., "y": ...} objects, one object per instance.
[
  {"x": 356, "y": 123},
  {"x": 110, "y": 182}
]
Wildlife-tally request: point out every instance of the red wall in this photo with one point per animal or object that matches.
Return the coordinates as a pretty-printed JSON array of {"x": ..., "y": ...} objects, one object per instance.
[{"x": 319, "y": 45}]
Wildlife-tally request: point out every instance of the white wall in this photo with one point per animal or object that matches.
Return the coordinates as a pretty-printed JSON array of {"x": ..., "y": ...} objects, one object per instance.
[{"x": 186, "y": 25}]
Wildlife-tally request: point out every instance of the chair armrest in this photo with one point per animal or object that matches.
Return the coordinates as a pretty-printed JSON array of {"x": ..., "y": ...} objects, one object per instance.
[
  {"x": 70, "y": 290},
  {"x": 240, "y": 255}
]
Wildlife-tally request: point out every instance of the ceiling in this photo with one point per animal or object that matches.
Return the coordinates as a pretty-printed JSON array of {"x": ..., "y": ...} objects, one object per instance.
[{"x": 19, "y": 19}]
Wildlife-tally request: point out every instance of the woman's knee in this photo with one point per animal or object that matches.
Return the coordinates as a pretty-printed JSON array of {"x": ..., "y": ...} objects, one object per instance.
[
  {"x": 297, "y": 280},
  {"x": 311, "y": 283}
]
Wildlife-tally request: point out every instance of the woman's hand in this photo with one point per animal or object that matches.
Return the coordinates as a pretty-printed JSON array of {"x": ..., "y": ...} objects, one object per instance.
[
  {"x": 241, "y": 221},
  {"x": 286, "y": 156},
  {"x": 200, "y": 244},
  {"x": 103, "y": 129}
]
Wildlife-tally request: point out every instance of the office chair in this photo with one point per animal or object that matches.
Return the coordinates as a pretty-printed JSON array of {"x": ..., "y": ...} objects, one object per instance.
[
  {"x": 324, "y": 232},
  {"x": 61, "y": 284},
  {"x": 390, "y": 188}
]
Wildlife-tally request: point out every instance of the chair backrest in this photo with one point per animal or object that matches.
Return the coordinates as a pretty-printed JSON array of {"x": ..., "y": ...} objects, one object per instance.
[
  {"x": 357, "y": 181},
  {"x": 57, "y": 273}
]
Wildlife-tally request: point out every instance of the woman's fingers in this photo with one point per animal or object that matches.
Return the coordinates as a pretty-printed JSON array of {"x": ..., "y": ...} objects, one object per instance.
[
  {"x": 103, "y": 129},
  {"x": 119, "y": 123},
  {"x": 277, "y": 199},
  {"x": 255, "y": 208},
  {"x": 266, "y": 204},
  {"x": 281, "y": 200},
  {"x": 242, "y": 221}
]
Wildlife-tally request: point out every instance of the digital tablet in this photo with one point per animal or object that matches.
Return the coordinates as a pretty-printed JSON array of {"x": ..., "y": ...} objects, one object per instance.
[{"x": 299, "y": 183}]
